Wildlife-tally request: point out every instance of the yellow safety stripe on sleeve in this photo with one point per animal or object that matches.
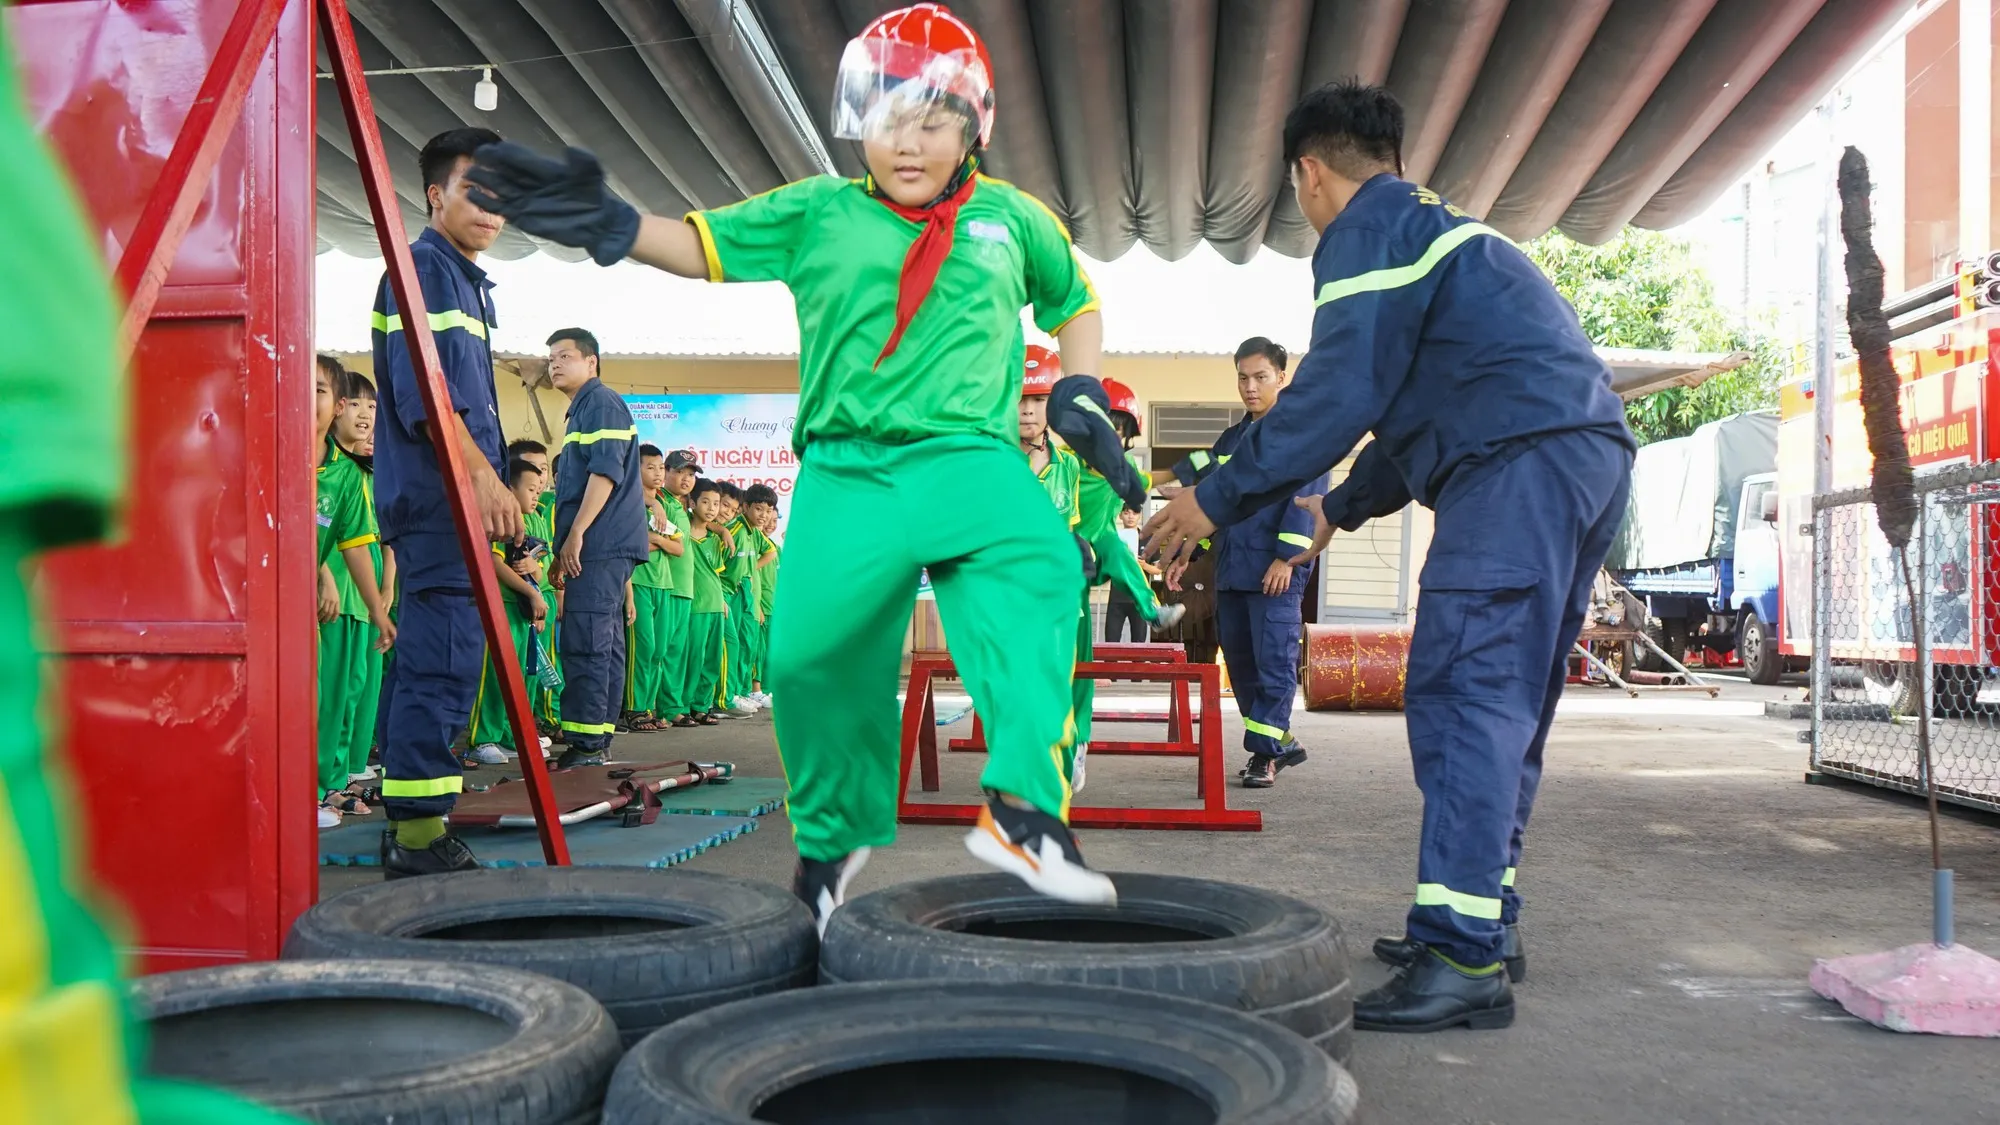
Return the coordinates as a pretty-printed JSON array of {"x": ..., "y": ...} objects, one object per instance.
[
  {"x": 1199, "y": 459},
  {"x": 1507, "y": 879},
  {"x": 1295, "y": 539},
  {"x": 357, "y": 541},
  {"x": 1265, "y": 729},
  {"x": 1224, "y": 459},
  {"x": 423, "y": 786},
  {"x": 699, "y": 222},
  {"x": 1396, "y": 277},
  {"x": 440, "y": 322},
  {"x": 1087, "y": 403},
  {"x": 1472, "y": 906},
  {"x": 629, "y": 433},
  {"x": 585, "y": 728}
]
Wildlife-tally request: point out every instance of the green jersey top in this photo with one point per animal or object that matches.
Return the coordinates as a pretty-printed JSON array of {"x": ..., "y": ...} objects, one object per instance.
[
  {"x": 957, "y": 369},
  {"x": 742, "y": 566},
  {"x": 680, "y": 568},
  {"x": 351, "y": 604},
  {"x": 767, "y": 581},
  {"x": 346, "y": 515},
  {"x": 66, "y": 453},
  {"x": 655, "y": 572},
  {"x": 546, "y": 505},
  {"x": 1061, "y": 477},
  {"x": 1098, "y": 506},
  {"x": 540, "y": 525},
  {"x": 707, "y": 552}
]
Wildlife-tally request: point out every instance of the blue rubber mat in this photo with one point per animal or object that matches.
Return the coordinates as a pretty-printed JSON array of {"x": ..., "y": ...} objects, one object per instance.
[
  {"x": 743, "y": 796},
  {"x": 594, "y": 843}
]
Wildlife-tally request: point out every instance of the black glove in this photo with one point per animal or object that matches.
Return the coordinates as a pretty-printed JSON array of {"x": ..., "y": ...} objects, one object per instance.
[
  {"x": 1080, "y": 413},
  {"x": 564, "y": 201}
]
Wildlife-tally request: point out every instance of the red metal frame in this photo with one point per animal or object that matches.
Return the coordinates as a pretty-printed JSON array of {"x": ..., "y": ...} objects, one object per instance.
[
  {"x": 920, "y": 751},
  {"x": 338, "y": 33},
  {"x": 1179, "y": 717}
]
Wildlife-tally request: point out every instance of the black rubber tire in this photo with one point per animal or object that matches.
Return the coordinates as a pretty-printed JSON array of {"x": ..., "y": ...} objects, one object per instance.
[
  {"x": 1265, "y": 954},
  {"x": 1764, "y": 663},
  {"x": 960, "y": 1046},
  {"x": 364, "y": 1042},
  {"x": 733, "y": 938}
]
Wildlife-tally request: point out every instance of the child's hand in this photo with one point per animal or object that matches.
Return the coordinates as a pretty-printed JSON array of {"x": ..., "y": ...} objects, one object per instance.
[
  {"x": 385, "y": 630},
  {"x": 329, "y": 597},
  {"x": 538, "y": 608}
]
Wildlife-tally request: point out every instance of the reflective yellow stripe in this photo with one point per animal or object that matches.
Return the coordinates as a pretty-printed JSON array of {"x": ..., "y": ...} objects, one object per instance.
[
  {"x": 1224, "y": 459},
  {"x": 1265, "y": 729},
  {"x": 1295, "y": 540},
  {"x": 587, "y": 728},
  {"x": 423, "y": 787},
  {"x": 700, "y": 223},
  {"x": 357, "y": 541},
  {"x": 440, "y": 322},
  {"x": 1199, "y": 459},
  {"x": 1507, "y": 880},
  {"x": 595, "y": 436},
  {"x": 1398, "y": 276},
  {"x": 1472, "y": 906},
  {"x": 1087, "y": 403}
]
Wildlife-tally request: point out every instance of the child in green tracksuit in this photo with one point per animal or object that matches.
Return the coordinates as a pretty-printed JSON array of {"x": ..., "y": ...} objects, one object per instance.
[
  {"x": 906, "y": 439},
  {"x": 674, "y": 699},
  {"x": 524, "y": 582},
  {"x": 767, "y": 593},
  {"x": 354, "y": 435},
  {"x": 345, "y": 519},
  {"x": 708, "y": 610},
  {"x": 649, "y": 702},
  {"x": 746, "y": 602},
  {"x": 733, "y": 693}
]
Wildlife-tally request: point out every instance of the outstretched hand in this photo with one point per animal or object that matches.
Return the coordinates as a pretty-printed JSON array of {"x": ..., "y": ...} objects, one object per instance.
[
  {"x": 1174, "y": 532},
  {"x": 564, "y": 201}
]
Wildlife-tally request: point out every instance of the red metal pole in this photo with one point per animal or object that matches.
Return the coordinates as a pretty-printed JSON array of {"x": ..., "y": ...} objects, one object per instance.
[
  {"x": 142, "y": 269},
  {"x": 338, "y": 32}
]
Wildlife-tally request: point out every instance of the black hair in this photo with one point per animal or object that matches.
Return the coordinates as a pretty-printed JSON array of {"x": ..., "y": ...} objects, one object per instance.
[
  {"x": 728, "y": 490},
  {"x": 354, "y": 385},
  {"x": 335, "y": 372},
  {"x": 525, "y": 445},
  {"x": 581, "y": 337},
  {"x": 516, "y": 467},
  {"x": 442, "y": 153},
  {"x": 704, "y": 485},
  {"x": 760, "y": 494},
  {"x": 1264, "y": 346},
  {"x": 650, "y": 450},
  {"x": 1352, "y": 128}
]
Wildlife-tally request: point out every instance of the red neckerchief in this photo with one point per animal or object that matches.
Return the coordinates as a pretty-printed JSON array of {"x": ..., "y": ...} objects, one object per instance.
[{"x": 927, "y": 254}]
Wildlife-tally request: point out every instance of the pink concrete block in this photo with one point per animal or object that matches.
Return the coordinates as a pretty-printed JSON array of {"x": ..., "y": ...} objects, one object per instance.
[{"x": 1921, "y": 988}]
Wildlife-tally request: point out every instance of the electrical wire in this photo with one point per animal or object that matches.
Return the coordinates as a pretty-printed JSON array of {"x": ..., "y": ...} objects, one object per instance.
[{"x": 457, "y": 69}]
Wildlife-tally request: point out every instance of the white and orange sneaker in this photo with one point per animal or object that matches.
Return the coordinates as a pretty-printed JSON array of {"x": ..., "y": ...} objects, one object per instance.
[{"x": 1039, "y": 850}]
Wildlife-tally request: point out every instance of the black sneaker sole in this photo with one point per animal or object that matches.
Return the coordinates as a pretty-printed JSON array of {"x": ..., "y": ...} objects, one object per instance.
[
  {"x": 1283, "y": 761},
  {"x": 1485, "y": 1019}
]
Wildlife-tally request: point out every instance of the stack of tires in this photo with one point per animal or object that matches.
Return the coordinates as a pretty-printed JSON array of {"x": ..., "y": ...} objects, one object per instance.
[{"x": 573, "y": 995}]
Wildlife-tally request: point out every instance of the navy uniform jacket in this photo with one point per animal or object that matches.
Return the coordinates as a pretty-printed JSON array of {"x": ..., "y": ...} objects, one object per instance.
[
  {"x": 600, "y": 440},
  {"x": 1433, "y": 331},
  {"x": 1245, "y": 550},
  {"x": 409, "y": 490}
]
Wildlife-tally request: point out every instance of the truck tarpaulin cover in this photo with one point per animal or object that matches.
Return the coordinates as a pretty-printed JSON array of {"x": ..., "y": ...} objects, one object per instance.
[{"x": 1685, "y": 490}]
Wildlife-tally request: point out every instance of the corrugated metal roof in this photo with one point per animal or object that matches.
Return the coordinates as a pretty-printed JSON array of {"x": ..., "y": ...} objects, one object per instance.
[{"x": 1153, "y": 123}]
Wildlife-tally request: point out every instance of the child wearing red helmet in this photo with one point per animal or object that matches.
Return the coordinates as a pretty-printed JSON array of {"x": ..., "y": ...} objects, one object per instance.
[{"x": 909, "y": 284}]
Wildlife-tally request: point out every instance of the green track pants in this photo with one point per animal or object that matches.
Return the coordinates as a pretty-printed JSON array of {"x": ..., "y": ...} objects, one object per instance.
[
  {"x": 1117, "y": 565},
  {"x": 489, "y": 710},
  {"x": 645, "y": 650},
  {"x": 866, "y": 520},
  {"x": 1082, "y": 692},
  {"x": 703, "y": 673},
  {"x": 671, "y": 701},
  {"x": 746, "y": 641},
  {"x": 361, "y": 731},
  {"x": 344, "y": 644}
]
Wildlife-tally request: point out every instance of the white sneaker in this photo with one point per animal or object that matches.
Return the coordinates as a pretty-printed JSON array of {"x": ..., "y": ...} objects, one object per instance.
[
  {"x": 328, "y": 818},
  {"x": 741, "y": 707},
  {"x": 368, "y": 774},
  {"x": 1039, "y": 850},
  {"x": 546, "y": 743},
  {"x": 1170, "y": 615},
  {"x": 489, "y": 755}
]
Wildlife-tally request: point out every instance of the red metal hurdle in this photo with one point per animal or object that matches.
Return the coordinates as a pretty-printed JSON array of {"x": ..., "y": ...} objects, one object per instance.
[
  {"x": 1180, "y": 718},
  {"x": 920, "y": 750}
]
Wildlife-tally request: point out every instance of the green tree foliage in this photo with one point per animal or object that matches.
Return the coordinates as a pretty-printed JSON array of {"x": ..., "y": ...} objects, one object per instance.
[{"x": 1644, "y": 289}]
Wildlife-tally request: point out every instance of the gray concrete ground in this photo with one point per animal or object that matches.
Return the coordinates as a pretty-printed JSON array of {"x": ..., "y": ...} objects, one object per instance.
[{"x": 1680, "y": 876}]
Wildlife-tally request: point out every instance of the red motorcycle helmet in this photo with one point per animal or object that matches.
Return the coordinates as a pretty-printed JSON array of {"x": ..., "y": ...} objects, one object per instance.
[
  {"x": 1122, "y": 399},
  {"x": 1040, "y": 373},
  {"x": 906, "y": 62}
]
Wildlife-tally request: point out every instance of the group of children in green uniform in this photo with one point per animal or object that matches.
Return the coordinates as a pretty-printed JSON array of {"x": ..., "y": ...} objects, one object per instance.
[{"x": 698, "y": 609}]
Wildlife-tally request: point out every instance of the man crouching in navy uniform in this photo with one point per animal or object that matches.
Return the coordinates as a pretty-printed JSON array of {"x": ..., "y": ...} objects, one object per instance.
[{"x": 1487, "y": 404}]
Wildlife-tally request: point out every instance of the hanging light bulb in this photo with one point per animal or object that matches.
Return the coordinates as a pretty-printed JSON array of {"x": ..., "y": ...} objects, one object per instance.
[{"x": 486, "y": 95}]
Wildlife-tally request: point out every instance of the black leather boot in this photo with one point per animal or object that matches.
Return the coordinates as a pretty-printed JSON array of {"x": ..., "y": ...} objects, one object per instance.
[
  {"x": 445, "y": 854},
  {"x": 1403, "y": 950},
  {"x": 1433, "y": 994}
]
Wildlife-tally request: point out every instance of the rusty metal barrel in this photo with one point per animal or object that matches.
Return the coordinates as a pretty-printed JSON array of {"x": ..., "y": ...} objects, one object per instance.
[{"x": 1356, "y": 667}]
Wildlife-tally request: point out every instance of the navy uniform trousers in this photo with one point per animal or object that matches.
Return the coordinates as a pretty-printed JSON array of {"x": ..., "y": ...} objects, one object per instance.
[
  {"x": 1260, "y": 644},
  {"x": 1518, "y": 544},
  {"x": 429, "y": 688},
  {"x": 592, "y": 643}
]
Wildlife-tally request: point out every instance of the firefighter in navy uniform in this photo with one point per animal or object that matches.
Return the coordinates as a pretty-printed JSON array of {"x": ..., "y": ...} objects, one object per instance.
[
  {"x": 429, "y": 689},
  {"x": 1489, "y": 406},
  {"x": 1262, "y": 565},
  {"x": 600, "y": 531}
]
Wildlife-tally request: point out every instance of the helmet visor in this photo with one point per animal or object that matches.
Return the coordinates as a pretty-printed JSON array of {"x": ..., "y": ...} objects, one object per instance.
[{"x": 885, "y": 88}]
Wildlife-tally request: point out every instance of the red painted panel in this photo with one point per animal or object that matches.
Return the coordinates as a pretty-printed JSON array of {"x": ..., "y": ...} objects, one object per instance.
[{"x": 185, "y": 652}]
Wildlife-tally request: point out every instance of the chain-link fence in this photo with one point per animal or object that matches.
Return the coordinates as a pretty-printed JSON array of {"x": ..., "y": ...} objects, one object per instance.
[{"x": 1871, "y": 678}]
